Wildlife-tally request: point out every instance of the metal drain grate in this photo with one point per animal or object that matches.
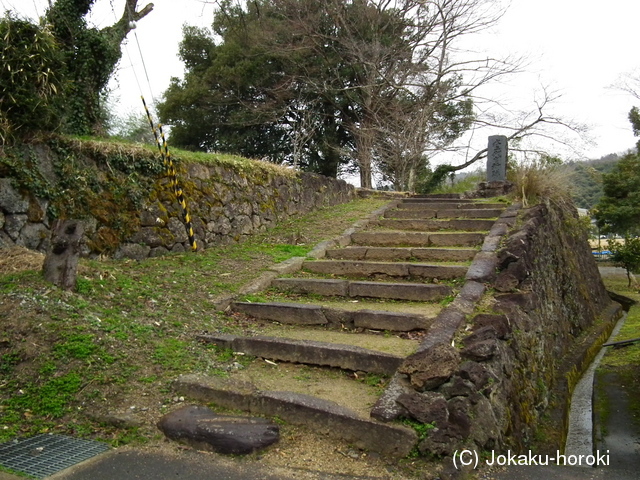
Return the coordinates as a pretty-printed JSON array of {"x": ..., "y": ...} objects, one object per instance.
[{"x": 46, "y": 454}]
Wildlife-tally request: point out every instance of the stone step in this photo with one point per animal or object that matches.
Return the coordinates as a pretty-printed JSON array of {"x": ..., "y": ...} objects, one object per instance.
[
  {"x": 427, "y": 213},
  {"x": 469, "y": 225},
  {"x": 418, "y": 292},
  {"x": 352, "y": 315},
  {"x": 437, "y": 200},
  {"x": 450, "y": 206},
  {"x": 309, "y": 352},
  {"x": 403, "y": 253},
  {"x": 324, "y": 416},
  {"x": 417, "y": 239},
  {"x": 391, "y": 269},
  {"x": 439, "y": 196},
  {"x": 470, "y": 213}
]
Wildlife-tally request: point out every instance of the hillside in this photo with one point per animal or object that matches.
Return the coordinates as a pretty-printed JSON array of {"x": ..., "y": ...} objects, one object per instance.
[{"x": 586, "y": 179}]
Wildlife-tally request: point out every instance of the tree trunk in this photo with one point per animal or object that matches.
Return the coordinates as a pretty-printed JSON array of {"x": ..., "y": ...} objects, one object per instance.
[{"x": 364, "y": 152}]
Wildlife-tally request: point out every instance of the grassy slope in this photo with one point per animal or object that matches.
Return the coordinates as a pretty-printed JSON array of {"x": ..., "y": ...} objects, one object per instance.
[
  {"x": 69, "y": 362},
  {"x": 625, "y": 362}
]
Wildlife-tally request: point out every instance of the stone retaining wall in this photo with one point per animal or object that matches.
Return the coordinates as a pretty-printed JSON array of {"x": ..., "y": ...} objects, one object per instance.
[
  {"x": 226, "y": 204},
  {"x": 492, "y": 365}
]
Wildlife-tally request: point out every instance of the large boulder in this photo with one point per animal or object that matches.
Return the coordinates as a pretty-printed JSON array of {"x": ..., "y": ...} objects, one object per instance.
[{"x": 204, "y": 429}]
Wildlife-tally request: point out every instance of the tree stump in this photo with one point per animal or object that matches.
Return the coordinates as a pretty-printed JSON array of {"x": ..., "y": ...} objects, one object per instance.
[{"x": 61, "y": 263}]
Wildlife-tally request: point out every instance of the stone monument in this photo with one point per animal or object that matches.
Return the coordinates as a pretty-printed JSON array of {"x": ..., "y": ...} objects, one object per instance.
[
  {"x": 497, "y": 158},
  {"x": 61, "y": 262}
]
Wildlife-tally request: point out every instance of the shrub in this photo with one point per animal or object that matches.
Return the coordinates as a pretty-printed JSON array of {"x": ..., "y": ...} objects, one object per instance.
[
  {"x": 542, "y": 177},
  {"x": 29, "y": 82}
]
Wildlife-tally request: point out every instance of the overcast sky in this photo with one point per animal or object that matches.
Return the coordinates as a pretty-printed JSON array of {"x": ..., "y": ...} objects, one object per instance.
[{"x": 578, "y": 48}]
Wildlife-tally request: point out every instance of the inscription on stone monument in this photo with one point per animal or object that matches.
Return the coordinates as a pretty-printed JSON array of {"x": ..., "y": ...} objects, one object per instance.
[{"x": 497, "y": 159}]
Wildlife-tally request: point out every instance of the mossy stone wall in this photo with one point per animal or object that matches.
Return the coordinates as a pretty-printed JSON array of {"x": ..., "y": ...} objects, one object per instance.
[{"x": 128, "y": 207}]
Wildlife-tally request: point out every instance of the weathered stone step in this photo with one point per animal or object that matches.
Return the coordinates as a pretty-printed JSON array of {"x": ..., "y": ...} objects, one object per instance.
[
  {"x": 445, "y": 213},
  {"x": 391, "y": 269},
  {"x": 322, "y": 415},
  {"x": 437, "y": 200},
  {"x": 378, "y": 342},
  {"x": 439, "y": 196},
  {"x": 417, "y": 239},
  {"x": 310, "y": 352},
  {"x": 469, "y": 225},
  {"x": 348, "y": 315},
  {"x": 419, "y": 292},
  {"x": 403, "y": 253},
  {"x": 450, "y": 206}
]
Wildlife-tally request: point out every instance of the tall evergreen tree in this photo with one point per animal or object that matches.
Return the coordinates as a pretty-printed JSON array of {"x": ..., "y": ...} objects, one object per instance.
[{"x": 315, "y": 82}]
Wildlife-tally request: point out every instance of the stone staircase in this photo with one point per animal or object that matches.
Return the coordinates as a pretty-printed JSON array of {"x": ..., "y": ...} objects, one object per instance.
[{"x": 326, "y": 334}]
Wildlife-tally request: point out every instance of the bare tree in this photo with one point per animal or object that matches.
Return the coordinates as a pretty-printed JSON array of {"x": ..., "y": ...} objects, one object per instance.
[
  {"x": 423, "y": 62},
  {"x": 369, "y": 57}
]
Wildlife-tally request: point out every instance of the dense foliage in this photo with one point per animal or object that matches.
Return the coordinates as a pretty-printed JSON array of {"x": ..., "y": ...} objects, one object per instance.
[
  {"x": 586, "y": 179},
  {"x": 90, "y": 57},
  {"x": 619, "y": 208},
  {"x": 55, "y": 74},
  {"x": 626, "y": 254},
  {"x": 317, "y": 84},
  {"x": 30, "y": 79}
]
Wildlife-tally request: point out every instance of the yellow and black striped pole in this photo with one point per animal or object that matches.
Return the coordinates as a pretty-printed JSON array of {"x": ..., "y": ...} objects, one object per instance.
[{"x": 163, "y": 148}]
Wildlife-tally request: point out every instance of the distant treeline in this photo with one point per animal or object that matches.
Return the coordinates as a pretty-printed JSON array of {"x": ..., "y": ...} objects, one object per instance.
[{"x": 586, "y": 179}]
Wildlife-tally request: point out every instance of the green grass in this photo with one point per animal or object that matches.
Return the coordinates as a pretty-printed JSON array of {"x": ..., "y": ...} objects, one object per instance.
[
  {"x": 624, "y": 362},
  {"x": 130, "y": 329}
]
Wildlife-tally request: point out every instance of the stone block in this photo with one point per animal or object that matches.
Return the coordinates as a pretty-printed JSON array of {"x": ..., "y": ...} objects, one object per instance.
[
  {"x": 505, "y": 282},
  {"x": 399, "y": 291},
  {"x": 480, "y": 350},
  {"x": 351, "y": 253},
  {"x": 441, "y": 272},
  {"x": 32, "y": 236},
  {"x": 325, "y": 287},
  {"x": 469, "y": 224},
  {"x": 380, "y": 239},
  {"x": 470, "y": 213},
  {"x": 291, "y": 265},
  {"x": 430, "y": 368},
  {"x": 204, "y": 429},
  {"x": 348, "y": 357},
  {"x": 11, "y": 200},
  {"x": 330, "y": 418},
  {"x": 13, "y": 224},
  {"x": 427, "y": 407},
  {"x": 455, "y": 239},
  {"x": 472, "y": 291},
  {"x": 390, "y": 254},
  {"x": 290, "y": 313},
  {"x": 443, "y": 254},
  {"x": 483, "y": 268},
  {"x": 226, "y": 392},
  {"x": 397, "y": 322},
  {"x": 387, "y": 408},
  {"x": 500, "y": 323},
  {"x": 443, "y": 328},
  {"x": 477, "y": 373},
  {"x": 355, "y": 268},
  {"x": 398, "y": 213}
]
